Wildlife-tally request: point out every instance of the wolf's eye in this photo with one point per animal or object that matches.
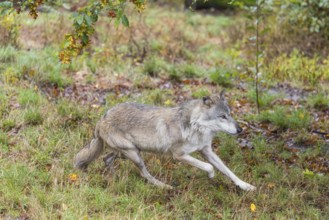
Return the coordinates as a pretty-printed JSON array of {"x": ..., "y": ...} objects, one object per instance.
[{"x": 223, "y": 116}]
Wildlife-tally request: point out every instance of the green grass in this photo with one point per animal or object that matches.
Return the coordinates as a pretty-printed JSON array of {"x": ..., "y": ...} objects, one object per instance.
[
  {"x": 265, "y": 99},
  {"x": 222, "y": 77},
  {"x": 284, "y": 119},
  {"x": 29, "y": 97},
  {"x": 297, "y": 68},
  {"x": 318, "y": 101},
  {"x": 40, "y": 132},
  {"x": 33, "y": 117}
]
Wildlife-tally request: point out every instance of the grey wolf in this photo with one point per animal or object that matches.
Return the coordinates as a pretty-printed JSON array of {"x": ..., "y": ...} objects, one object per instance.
[{"x": 130, "y": 128}]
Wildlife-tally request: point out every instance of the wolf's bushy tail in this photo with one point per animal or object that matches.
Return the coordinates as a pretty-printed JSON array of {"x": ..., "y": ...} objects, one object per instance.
[{"x": 90, "y": 152}]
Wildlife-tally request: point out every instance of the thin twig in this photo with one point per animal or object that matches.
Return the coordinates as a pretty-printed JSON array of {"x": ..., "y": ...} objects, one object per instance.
[{"x": 257, "y": 54}]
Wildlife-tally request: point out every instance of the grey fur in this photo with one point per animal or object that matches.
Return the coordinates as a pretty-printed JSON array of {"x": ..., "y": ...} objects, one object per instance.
[{"x": 129, "y": 128}]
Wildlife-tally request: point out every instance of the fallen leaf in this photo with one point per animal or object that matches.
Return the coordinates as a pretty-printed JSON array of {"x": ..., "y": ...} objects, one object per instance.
[
  {"x": 64, "y": 206},
  {"x": 253, "y": 207},
  {"x": 270, "y": 185},
  {"x": 308, "y": 172},
  {"x": 168, "y": 102},
  {"x": 73, "y": 177}
]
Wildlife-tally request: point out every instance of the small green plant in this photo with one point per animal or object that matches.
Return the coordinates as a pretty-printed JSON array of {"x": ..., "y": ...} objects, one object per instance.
[
  {"x": 154, "y": 67},
  {"x": 33, "y": 117},
  {"x": 318, "y": 101},
  {"x": 3, "y": 138},
  {"x": 11, "y": 75},
  {"x": 300, "y": 119},
  {"x": 69, "y": 109},
  {"x": 284, "y": 119},
  {"x": 265, "y": 98},
  {"x": 202, "y": 92},
  {"x": 222, "y": 77},
  {"x": 278, "y": 117},
  {"x": 8, "y": 124},
  {"x": 174, "y": 74},
  {"x": 9, "y": 28},
  {"x": 8, "y": 54},
  {"x": 3, "y": 104},
  {"x": 156, "y": 96},
  {"x": 56, "y": 78},
  {"x": 297, "y": 67},
  {"x": 28, "y": 97},
  {"x": 189, "y": 71}
]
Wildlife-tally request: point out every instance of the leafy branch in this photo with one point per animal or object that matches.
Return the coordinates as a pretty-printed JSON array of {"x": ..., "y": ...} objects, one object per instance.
[{"x": 84, "y": 20}]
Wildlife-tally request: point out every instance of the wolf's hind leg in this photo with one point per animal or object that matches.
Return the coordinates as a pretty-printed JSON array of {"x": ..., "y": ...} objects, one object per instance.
[
  {"x": 135, "y": 157},
  {"x": 109, "y": 160}
]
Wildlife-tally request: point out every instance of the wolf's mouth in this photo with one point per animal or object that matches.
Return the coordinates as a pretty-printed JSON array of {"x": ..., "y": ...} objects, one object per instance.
[{"x": 231, "y": 133}]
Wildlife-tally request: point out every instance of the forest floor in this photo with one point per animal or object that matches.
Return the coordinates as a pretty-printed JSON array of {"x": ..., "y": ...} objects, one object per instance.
[{"x": 167, "y": 56}]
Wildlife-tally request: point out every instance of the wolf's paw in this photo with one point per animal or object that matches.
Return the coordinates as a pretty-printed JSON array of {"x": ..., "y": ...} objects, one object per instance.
[
  {"x": 247, "y": 186},
  {"x": 211, "y": 175}
]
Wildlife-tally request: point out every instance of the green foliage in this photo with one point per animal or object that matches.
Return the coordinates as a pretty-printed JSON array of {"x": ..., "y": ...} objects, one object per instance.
[
  {"x": 156, "y": 96},
  {"x": 83, "y": 21},
  {"x": 283, "y": 119},
  {"x": 222, "y": 77},
  {"x": 265, "y": 98},
  {"x": 300, "y": 118},
  {"x": 33, "y": 116},
  {"x": 9, "y": 27},
  {"x": 8, "y": 124},
  {"x": 298, "y": 67},
  {"x": 3, "y": 139},
  {"x": 68, "y": 109},
  {"x": 154, "y": 67},
  {"x": 189, "y": 71},
  {"x": 11, "y": 75},
  {"x": 28, "y": 97},
  {"x": 318, "y": 101},
  {"x": 202, "y": 92},
  {"x": 3, "y": 104},
  {"x": 312, "y": 14}
]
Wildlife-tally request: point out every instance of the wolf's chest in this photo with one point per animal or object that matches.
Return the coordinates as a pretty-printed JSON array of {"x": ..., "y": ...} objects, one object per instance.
[{"x": 197, "y": 142}]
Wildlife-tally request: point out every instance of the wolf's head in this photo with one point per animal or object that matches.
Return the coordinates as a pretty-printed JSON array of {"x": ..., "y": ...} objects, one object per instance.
[{"x": 215, "y": 115}]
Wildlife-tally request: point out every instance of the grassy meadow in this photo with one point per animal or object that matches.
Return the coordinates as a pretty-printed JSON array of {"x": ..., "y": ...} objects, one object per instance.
[{"x": 48, "y": 111}]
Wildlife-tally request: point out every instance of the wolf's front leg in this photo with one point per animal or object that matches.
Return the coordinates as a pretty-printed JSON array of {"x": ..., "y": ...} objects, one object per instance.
[
  {"x": 196, "y": 163},
  {"x": 209, "y": 155}
]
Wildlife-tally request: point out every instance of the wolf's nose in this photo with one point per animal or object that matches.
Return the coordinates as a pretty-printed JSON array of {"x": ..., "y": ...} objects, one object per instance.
[{"x": 239, "y": 129}]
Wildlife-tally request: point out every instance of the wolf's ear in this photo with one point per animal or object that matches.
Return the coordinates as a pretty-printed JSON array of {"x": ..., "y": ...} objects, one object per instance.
[
  {"x": 222, "y": 95},
  {"x": 207, "y": 101}
]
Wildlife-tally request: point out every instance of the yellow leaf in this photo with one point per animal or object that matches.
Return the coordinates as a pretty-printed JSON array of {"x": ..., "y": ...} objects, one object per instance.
[
  {"x": 301, "y": 115},
  {"x": 253, "y": 207},
  {"x": 270, "y": 185},
  {"x": 64, "y": 206},
  {"x": 168, "y": 102},
  {"x": 73, "y": 177},
  {"x": 308, "y": 172}
]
